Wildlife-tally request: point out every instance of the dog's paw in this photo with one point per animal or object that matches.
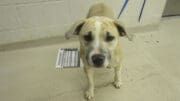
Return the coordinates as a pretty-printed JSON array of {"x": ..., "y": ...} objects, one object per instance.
[
  {"x": 117, "y": 84},
  {"x": 89, "y": 95}
]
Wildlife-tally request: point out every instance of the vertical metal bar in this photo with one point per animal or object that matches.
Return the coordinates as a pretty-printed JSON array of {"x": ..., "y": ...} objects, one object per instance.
[{"x": 142, "y": 8}]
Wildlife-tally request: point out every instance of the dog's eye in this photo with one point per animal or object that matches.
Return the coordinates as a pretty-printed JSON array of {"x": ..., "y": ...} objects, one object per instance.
[
  {"x": 88, "y": 37},
  {"x": 109, "y": 37}
]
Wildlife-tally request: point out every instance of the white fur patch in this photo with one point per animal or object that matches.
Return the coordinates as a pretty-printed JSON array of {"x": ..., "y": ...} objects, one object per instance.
[
  {"x": 97, "y": 33},
  {"x": 96, "y": 44},
  {"x": 96, "y": 41}
]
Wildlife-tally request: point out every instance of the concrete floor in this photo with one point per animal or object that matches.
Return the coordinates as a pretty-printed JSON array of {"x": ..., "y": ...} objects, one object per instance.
[{"x": 151, "y": 71}]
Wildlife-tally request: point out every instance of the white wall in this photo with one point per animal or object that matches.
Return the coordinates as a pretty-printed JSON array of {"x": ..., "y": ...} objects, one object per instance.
[{"x": 22, "y": 20}]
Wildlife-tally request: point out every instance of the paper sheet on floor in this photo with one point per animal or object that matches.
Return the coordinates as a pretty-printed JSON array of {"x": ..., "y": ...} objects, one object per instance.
[{"x": 68, "y": 58}]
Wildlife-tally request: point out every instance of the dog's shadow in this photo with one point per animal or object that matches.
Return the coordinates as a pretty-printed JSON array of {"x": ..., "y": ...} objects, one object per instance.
[{"x": 100, "y": 86}]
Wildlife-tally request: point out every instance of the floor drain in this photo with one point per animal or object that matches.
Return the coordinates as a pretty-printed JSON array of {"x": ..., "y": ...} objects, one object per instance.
[{"x": 68, "y": 58}]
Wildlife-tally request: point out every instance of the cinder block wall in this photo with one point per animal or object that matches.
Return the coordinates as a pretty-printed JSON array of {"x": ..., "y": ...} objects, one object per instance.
[{"x": 22, "y": 20}]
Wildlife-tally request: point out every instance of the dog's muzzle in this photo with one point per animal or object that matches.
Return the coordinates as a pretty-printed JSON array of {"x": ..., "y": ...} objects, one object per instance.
[{"x": 98, "y": 60}]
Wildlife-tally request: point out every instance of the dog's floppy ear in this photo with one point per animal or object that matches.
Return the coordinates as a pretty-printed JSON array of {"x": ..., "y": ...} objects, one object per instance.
[
  {"x": 121, "y": 29},
  {"x": 75, "y": 29}
]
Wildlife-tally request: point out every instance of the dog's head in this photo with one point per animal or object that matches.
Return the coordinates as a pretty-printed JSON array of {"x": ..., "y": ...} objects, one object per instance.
[{"x": 98, "y": 37}]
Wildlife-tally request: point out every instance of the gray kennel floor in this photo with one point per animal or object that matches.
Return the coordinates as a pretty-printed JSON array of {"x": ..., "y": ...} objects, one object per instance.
[{"x": 151, "y": 71}]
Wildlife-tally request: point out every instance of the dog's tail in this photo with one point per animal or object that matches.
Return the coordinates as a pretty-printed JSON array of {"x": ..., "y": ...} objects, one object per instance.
[{"x": 100, "y": 9}]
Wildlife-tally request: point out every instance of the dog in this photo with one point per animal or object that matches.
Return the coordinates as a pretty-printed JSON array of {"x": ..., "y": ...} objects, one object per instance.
[{"x": 99, "y": 36}]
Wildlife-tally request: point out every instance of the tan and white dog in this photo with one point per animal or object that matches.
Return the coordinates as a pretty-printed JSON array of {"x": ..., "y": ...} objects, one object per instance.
[{"x": 99, "y": 36}]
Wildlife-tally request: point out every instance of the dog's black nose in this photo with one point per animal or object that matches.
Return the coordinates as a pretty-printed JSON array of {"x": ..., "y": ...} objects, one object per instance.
[{"x": 98, "y": 60}]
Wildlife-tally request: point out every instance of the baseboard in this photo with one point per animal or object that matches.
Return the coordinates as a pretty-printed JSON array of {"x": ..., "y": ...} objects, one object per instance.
[
  {"x": 141, "y": 29},
  {"x": 61, "y": 39},
  {"x": 34, "y": 43}
]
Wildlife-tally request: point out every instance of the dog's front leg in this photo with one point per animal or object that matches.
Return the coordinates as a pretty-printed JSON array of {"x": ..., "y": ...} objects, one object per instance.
[
  {"x": 117, "y": 77},
  {"x": 90, "y": 76}
]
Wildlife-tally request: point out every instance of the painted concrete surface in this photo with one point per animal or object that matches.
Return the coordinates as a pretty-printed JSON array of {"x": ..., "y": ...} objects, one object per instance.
[
  {"x": 151, "y": 71},
  {"x": 25, "y": 20}
]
